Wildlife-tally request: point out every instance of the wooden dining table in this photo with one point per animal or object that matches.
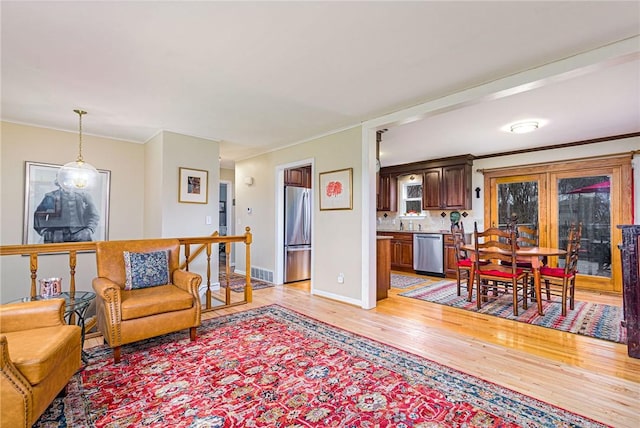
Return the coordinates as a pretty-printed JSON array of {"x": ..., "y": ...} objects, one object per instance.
[{"x": 533, "y": 255}]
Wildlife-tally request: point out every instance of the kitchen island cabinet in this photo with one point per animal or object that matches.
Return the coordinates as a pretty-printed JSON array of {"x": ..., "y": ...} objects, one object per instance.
[
  {"x": 401, "y": 250},
  {"x": 383, "y": 266}
]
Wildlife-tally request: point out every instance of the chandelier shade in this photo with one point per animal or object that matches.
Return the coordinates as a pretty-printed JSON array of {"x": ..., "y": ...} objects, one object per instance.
[{"x": 77, "y": 175}]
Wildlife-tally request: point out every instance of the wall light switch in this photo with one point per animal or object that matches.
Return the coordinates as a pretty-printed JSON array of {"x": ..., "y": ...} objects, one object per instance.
[{"x": 207, "y": 219}]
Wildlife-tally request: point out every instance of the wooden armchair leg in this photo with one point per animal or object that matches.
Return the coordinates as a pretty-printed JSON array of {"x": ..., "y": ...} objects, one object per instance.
[
  {"x": 192, "y": 333},
  {"x": 116, "y": 355}
]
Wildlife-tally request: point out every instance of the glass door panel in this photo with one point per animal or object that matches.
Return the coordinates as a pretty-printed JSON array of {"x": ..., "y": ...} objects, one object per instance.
[
  {"x": 518, "y": 197},
  {"x": 518, "y": 201},
  {"x": 587, "y": 200}
]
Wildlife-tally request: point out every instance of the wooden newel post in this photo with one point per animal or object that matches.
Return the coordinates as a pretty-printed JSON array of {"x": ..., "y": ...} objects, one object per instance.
[{"x": 248, "y": 237}]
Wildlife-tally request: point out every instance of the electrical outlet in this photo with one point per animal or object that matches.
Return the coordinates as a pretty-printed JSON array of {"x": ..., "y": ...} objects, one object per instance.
[{"x": 340, "y": 278}]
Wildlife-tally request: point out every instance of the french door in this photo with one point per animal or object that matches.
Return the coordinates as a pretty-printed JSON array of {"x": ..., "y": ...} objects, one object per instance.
[
  {"x": 552, "y": 197},
  {"x": 519, "y": 197}
]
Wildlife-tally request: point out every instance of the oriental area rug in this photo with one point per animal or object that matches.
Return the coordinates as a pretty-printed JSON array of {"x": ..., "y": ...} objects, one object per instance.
[
  {"x": 237, "y": 282},
  {"x": 274, "y": 367},
  {"x": 588, "y": 319}
]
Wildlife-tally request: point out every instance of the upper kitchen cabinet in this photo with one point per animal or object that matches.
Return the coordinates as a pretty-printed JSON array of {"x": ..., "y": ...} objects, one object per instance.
[
  {"x": 298, "y": 177},
  {"x": 447, "y": 187},
  {"x": 387, "y": 193},
  {"x": 446, "y": 183}
]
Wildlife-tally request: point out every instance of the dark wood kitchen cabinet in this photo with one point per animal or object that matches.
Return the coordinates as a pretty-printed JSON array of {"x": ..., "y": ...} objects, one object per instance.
[
  {"x": 449, "y": 256},
  {"x": 387, "y": 193},
  {"x": 447, "y": 187},
  {"x": 298, "y": 177},
  {"x": 401, "y": 250},
  {"x": 446, "y": 182}
]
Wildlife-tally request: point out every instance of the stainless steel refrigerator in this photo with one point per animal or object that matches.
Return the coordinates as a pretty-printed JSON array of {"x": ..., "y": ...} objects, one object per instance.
[{"x": 297, "y": 234}]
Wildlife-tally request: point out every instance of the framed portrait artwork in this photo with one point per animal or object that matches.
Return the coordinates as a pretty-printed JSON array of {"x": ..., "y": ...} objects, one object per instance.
[
  {"x": 52, "y": 215},
  {"x": 336, "y": 190},
  {"x": 193, "y": 186}
]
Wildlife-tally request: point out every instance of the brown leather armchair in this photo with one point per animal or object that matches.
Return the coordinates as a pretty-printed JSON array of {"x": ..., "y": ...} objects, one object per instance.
[
  {"x": 39, "y": 353},
  {"x": 126, "y": 316}
]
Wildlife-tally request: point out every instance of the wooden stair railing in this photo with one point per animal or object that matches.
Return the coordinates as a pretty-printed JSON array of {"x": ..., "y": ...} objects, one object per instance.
[
  {"x": 72, "y": 249},
  {"x": 205, "y": 244}
]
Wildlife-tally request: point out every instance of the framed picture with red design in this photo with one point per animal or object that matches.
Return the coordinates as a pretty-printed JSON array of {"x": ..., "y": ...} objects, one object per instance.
[{"x": 336, "y": 190}]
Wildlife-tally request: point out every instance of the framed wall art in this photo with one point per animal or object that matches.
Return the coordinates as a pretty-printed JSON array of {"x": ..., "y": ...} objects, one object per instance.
[
  {"x": 52, "y": 215},
  {"x": 336, "y": 190},
  {"x": 193, "y": 186}
]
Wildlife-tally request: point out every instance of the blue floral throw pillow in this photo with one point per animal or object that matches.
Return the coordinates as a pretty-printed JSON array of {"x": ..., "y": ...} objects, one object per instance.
[{"x": 146, "y": 269}]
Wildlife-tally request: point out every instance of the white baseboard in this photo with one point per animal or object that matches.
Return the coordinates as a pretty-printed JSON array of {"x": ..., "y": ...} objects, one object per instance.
[{"x": 337, "y": 297}]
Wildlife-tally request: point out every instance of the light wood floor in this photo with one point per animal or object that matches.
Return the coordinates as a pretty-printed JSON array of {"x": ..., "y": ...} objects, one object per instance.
[{"x": 592, "y": 377}]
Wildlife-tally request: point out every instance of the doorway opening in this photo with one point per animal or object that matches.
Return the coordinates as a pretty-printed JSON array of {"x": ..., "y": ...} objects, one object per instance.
[
  {"x": 297, "y": 224},
  {"x": 225, "y": 223}
]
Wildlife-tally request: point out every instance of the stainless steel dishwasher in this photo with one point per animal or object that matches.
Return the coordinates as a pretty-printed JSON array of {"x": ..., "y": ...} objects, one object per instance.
[{"x": 428, "y": 253}]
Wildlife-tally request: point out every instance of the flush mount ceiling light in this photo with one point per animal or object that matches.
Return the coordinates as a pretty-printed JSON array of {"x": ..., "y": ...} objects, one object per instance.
[
  {"x": 77, "y": 175},
  {"x": 524, "y": 127}
]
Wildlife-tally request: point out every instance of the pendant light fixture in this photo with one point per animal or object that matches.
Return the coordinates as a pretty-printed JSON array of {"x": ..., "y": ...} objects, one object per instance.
[{"x": 78, "y": 175}]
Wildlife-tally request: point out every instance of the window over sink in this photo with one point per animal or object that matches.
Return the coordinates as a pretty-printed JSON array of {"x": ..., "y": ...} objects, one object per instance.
[{"x": 411, "y": 196}]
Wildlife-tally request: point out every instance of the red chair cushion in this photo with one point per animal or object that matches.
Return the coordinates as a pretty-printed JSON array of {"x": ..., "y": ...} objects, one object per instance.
[
  {"x": 465, "y": 263},
  {"x": 555, "y": 272}
]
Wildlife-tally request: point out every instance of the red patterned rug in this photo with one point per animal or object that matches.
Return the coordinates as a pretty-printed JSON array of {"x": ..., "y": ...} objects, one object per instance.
[
  {"x": 587, "y": 319},
  {"x": 273, "y": 367}
]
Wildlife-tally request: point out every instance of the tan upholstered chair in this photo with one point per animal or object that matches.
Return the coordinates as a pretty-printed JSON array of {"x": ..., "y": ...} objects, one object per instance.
[
  {"x": 126, "y": 316},
  {"x": 39, "y": 353}
]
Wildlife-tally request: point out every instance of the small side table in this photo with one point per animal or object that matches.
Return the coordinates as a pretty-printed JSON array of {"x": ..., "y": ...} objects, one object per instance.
[{"x": 75, "y": 303}]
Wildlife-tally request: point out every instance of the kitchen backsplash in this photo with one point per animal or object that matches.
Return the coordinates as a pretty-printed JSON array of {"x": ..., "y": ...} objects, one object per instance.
[{"x": 431, "y": 221}]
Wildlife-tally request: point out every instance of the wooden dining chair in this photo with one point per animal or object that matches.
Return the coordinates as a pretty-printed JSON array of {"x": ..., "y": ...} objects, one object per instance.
[
  {"x": 527, "y": 236},
  {"x": 561, "y": 281},
  {"x": 496, "y": 266},
  {"x": 462, "y": 261}
]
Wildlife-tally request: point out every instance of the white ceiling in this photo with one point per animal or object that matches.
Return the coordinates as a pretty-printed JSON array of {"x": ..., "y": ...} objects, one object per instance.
[{"x": 256, "y": 76}]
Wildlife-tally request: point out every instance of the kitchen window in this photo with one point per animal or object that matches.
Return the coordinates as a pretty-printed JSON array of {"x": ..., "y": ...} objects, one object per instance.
[{"x": 411, "y": 203}]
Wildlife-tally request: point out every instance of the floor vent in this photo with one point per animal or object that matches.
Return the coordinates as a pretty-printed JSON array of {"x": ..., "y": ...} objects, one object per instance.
[{"x": 263, "y": 274}]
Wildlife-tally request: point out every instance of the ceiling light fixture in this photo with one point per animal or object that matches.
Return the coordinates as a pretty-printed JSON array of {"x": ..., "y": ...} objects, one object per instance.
[
  {"x": 78, "y": 175},
  {"x": 524, "y": 127}
]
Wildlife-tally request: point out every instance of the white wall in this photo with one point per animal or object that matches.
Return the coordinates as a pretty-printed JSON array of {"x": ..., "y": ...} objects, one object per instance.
[
  {"x": 143, "y": 195},
  {"x": 22, "y": 143},
  {"x": 336, "y": 235},
  {"x": 188, "y": 219},
  {"x": 153, "y": 177}
]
